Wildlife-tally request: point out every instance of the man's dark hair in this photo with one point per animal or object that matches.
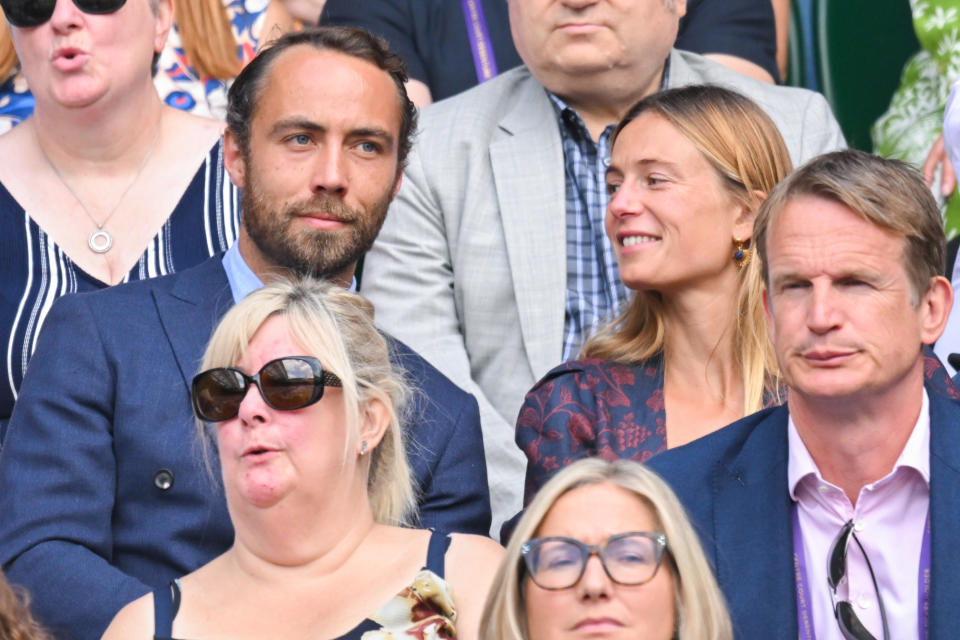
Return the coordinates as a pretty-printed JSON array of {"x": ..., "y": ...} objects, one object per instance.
[{"x": 246, "y": 89}]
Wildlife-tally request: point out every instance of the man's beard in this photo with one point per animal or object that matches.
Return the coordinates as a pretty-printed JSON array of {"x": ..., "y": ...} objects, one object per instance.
[{"x": 304, "y": 250}]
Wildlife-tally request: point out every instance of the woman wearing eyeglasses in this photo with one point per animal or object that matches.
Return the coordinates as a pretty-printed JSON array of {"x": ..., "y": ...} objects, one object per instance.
[
  {"x": 689, "y": 354},
  {"x": 605, "y": 551},
  {"x": 299, "y": 397},
  {"x": 104, "y": 183}
]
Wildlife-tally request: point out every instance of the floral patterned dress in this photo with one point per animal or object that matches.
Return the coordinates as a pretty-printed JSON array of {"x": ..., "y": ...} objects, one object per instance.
[
  {"x": 178, "y": 83},
  {"x": 592, "y": 408},
  {"x": 915, "y": 117}
]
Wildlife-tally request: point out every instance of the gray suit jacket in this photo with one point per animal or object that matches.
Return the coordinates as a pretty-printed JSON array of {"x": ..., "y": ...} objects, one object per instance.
[{"x": 470, "y": 267}]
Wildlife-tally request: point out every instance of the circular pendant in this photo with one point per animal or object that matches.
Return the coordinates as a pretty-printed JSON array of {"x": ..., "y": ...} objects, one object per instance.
[{"x": 100, "y": 241}]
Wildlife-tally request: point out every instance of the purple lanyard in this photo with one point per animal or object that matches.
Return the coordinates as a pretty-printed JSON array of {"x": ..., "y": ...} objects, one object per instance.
[
  {"x": 805, "y": 611},
  {"x": 480, "y": 43}
]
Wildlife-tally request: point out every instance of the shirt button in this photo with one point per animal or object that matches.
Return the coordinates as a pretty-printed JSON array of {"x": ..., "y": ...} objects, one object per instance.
[
  {"x": 863, "y": 602},
  {"x": 163, "y": 479},
  {"x": 858, "y": 526},
  {"x": 824, "y": 488}
]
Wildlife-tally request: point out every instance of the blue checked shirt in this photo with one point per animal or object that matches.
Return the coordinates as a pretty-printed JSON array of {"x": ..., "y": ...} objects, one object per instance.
[{"x": 594, "y": 290}]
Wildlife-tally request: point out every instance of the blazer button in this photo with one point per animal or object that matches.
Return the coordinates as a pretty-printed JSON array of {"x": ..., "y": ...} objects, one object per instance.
[{"x": 163, "y": 479}]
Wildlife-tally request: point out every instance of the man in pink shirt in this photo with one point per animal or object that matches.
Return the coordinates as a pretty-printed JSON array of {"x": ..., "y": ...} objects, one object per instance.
[{"x": 831, "y": 517}]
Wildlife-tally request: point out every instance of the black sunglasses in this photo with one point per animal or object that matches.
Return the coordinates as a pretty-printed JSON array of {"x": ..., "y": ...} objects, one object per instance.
[
  {"x": 556, "y": 563},
  {"x": 287, "y": 383},
  {"x": 850, "y": 625},
  {"x": 33, "y": 13}
]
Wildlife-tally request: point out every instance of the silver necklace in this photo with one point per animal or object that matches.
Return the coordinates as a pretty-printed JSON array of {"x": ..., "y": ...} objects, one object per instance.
[{"x": 101, "y": 240}]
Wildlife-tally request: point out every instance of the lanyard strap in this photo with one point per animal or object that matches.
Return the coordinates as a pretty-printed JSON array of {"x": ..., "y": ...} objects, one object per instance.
[
  {"x": 805, "y": 610},
  {"x": 480, "y": 43},
  {"x": 923, "y": 585}
]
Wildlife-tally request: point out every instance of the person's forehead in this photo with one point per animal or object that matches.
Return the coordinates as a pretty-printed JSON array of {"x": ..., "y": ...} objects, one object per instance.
[
  {"x": 328, "y": 84},
  {"x": 616, "y": 511},
  {"x": 814, "y": 214},
  {"x": 831, "y": 234}
]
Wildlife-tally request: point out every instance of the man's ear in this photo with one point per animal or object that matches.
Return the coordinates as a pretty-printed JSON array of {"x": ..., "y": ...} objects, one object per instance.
[
  {"x": 680, "y": 7},
  {"x": 396, "y": 186},
  {"x": 234, "y": 159},
  {"x": 935, "y": 306}
]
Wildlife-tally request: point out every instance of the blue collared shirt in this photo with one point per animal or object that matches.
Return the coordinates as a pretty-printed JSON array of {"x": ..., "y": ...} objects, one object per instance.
[
  {"x": 594, "y": 290},
  {"x": 243, "y": 281}
]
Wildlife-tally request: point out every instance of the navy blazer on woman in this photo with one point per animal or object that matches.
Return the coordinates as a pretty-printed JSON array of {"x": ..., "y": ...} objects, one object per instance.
[
  {"x": 734, "y": 485},
  {"x": 104, "y": 490}
]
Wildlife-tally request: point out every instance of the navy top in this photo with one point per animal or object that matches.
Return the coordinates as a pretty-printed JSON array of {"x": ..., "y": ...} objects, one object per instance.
[
  {"x": 34, "y": 271},
  {"x": 166, "y": 600},
  {"x": 431, "y": 35}
]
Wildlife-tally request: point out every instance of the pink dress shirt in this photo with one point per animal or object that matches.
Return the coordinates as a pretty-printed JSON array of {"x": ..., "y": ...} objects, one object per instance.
[{"x": 889, "y": 519}]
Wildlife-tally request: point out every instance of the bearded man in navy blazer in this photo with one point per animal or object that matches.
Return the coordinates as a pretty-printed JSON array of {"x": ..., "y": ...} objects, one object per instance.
[
  {"x": 833, "y": 516},
  {"x": 104, "y": 493}
]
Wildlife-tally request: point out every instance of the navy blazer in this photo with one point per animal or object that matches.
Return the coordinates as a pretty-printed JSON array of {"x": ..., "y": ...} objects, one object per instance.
[
  {"x": 104, "y": 491},
  {"x": 734, "y": 485}
]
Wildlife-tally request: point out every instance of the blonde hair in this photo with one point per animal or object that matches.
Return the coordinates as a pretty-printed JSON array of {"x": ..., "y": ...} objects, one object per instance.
[
  {"x": 336, "y": 327},
  {"x": 744, "y": 146},
  {"x": 700, "y": 607},
  {"x": 16, "y": 623}
]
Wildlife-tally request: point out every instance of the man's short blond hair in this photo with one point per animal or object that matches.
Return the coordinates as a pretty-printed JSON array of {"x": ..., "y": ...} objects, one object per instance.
[{"x": 888, "y": 193}]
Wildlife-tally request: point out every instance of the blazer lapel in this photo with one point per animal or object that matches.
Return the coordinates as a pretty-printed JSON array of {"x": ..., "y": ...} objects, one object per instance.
[
  {"x": 190, "y": 310},
  {"x": 527, "y": 161},
  {"x": 753, "y": 533},
  {"x": 944, "y": 516}
]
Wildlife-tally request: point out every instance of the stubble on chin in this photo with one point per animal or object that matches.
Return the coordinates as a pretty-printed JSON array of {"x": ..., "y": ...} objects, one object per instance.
[{"x": 306, "y": 251}]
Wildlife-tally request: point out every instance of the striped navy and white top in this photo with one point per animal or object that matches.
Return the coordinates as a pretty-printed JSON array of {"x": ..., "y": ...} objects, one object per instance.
[{"x": 34, "y": 271}]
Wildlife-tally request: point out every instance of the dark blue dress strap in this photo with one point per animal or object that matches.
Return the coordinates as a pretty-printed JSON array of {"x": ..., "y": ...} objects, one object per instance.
[
  {"x": 166, "y": 603},
  {"x": 439, "y": 543}
]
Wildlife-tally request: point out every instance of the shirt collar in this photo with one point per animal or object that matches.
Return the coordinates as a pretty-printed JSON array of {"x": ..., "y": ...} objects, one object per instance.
[
  {"x": 243, "y": 281},
  {"x": 915, "y": 454},
  {"x": 571, "y": 122}
]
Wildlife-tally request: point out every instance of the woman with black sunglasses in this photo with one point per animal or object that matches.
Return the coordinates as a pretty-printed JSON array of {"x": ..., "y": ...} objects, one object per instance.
[
  {"x": 298, "y": 395},
  {"x": 650, "y": 578},
  {"x": 104, "y": 183}
]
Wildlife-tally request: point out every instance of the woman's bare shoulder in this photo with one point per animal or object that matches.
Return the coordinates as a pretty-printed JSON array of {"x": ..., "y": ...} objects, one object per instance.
[
  {"x": 133, "y": 621},
  {"x": 191, "y": 134},
  {"x": 473, "y": 547},
  {"x": 471, "y": 563}
]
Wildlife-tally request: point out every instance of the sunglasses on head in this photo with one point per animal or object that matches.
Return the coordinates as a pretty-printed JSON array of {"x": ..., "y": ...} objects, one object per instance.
[
  {"x": 850, "y": 625},
  {"x": 285, "y": 384},
  {"x": 33, "y": 13}
]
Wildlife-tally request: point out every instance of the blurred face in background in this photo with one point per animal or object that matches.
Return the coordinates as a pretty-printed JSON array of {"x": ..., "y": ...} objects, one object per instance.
[{"x": 563, "y": 40}]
